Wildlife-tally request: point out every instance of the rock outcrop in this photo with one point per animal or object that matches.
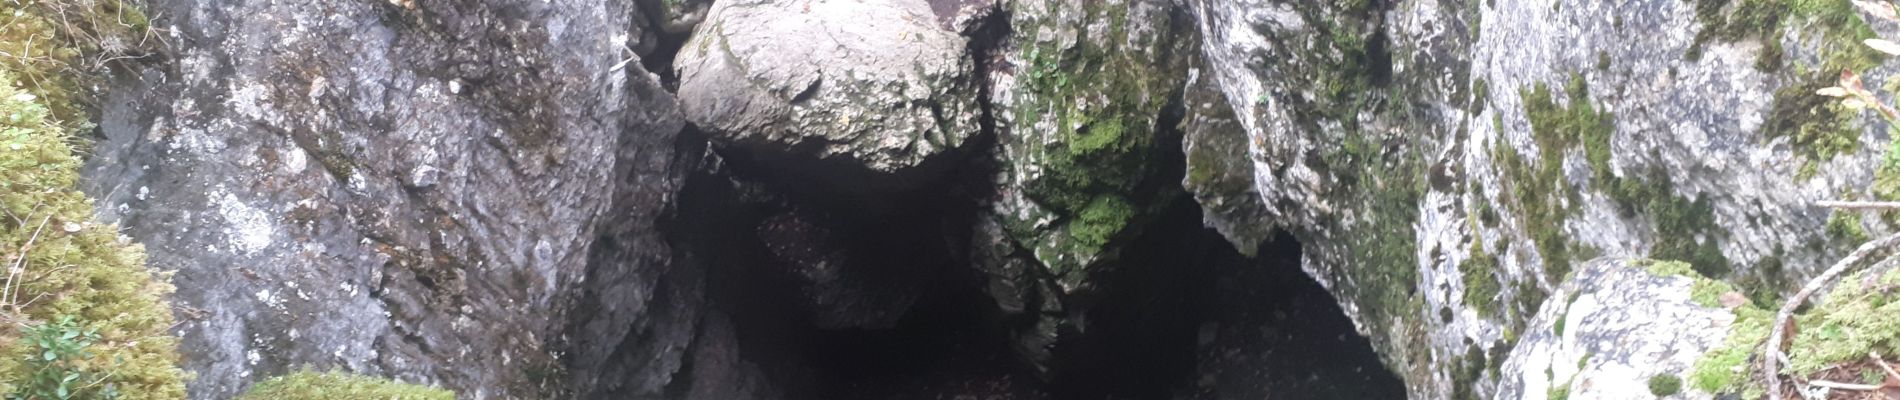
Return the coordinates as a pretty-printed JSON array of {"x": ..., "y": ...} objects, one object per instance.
[
  {"x": 1617, "y": 326},
  {"x": 1080, "y": 94},
  {"x": 486, "y": 195},
  {"x": 411, "y": 189},
  {"x": 1448, "y": 165}
]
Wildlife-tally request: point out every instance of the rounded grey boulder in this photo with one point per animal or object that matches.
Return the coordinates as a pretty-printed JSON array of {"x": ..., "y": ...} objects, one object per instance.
[{"x": 880, "y": 84}]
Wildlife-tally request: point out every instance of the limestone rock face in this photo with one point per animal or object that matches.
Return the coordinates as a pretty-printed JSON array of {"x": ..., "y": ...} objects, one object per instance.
[
  {"x": 879, "y": 86},
  {"x": 1621, "y": 326},
  {"x": 406, "y": 189},
  {"x": 473, "y": 193},
  {"x": 1448, "y": 164}
]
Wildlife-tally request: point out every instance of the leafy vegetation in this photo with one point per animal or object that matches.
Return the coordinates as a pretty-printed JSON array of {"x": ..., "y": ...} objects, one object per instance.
[
  {"x": 76, "y": 273},
  {"x": 1470, "y": 368},
  {"x": 58, "y": 349},
  {"x": 306, "y": 385}
]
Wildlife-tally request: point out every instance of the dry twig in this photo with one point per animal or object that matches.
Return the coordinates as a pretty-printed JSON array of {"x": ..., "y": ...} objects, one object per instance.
[
  {"x": 1843, "y": 385},
  {"x": 1883, "y": 365},
  {"x": 1859, "y": 205},
  {"x": 9, "y": 292},
  {"x": 1777, "y": 332}
]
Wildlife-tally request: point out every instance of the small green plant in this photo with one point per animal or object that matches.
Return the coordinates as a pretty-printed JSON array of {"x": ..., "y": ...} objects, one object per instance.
[
  {"x": 306, "y": 385},
  {"x": 57, "y": 364},
  {"x": 1665, "y": 385}
]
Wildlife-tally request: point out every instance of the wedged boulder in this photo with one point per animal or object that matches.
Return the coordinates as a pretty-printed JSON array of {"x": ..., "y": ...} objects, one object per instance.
[
  {"x": 1220, "y": 169},
  {"x": 1080, "y": 93},
  {"x": 409, "y": 189},
  {"x": 873, "y": 89},
  {"x": 1608, "y": 332}
]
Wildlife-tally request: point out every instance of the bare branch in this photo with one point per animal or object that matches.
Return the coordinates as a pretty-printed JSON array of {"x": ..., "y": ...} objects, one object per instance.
[
  {"x": 1844, "y": 386},
  {"x": 1777, "y": 333},
  {"x": 1860, "y": 205}
]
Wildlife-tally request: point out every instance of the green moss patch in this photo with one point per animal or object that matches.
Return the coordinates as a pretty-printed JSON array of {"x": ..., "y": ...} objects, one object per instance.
[
  {"x": 76, "y": 272},
  {"x": 1729, "y": 368},
  {"x": 1100, "y": 220},
  {"x": 1540, "y": 189},
  {"x": 340, "y": 386},
  {"x": 1858, "y": 316},
  {"x": 1665, "y": 385},
  {"x": 1886, "y": 184},
  {"x": 1481, "y": 281},
  {"x": 1840, "y": 29},
  {"x": 1844, "y": 226},
  {"x": 1103, "y": 101},
  {"x": 1470, "y": 369},
  {"x": 1685, "y": 228},
  {"x": 1818, "y": 128}
]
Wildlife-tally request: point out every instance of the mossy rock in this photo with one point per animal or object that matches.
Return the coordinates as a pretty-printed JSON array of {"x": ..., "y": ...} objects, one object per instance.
[
  {"x": 1088, "y": 122},
  {"x": 306, "y": 385}
]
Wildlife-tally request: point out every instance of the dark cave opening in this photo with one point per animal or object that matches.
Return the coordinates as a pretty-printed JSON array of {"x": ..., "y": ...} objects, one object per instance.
[{"x": 1189, "y": 316}]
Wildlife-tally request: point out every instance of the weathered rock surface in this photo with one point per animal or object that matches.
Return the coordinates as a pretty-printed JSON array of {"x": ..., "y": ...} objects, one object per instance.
[
  {"x": 875, "y": 86},
  {"x": 1079, "y": 94},
  {"x": 472, "y": 194},
  {"x": 1446, "y": 199},
  {"x": 1219, "y": 168},
  {"x": 1616, "y": 326},
  {"x": 407, "y": 189}
]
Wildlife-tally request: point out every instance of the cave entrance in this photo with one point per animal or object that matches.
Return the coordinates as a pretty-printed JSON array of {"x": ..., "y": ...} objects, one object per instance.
[{"x": 1189, "y": 316}]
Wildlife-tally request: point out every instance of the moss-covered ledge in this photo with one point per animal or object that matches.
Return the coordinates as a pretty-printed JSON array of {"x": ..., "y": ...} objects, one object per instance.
[{"x": 81, "y": 313}]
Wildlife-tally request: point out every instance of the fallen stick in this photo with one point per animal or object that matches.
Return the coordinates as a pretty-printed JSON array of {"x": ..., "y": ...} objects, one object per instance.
[
  {"x": 1777, "y": 332},
  {"x": 1843, "y": 385},
  {"x": 1860, "y": 205},
  {"x": 1883, "y": 365}
]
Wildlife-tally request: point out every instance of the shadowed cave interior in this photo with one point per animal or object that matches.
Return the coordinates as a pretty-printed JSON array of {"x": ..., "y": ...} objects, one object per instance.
[{"x": 1188, "y": 317}]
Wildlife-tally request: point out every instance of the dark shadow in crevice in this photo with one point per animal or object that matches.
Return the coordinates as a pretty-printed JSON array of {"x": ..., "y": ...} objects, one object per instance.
[{"x": 1273, "y": 332}]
